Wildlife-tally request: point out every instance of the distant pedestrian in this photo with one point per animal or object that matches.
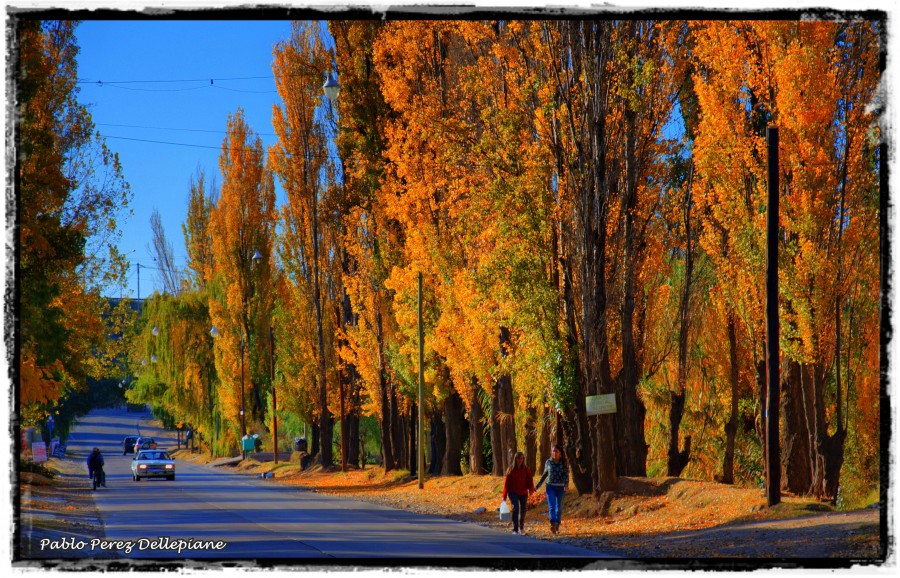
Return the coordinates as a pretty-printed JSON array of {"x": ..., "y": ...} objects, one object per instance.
[
  {"x": 557, "y": 471},
  {"x": 518, "y": 485}
]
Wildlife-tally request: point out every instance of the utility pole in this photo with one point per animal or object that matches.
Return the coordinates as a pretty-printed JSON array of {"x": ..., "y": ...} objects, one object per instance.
[
  {"x": 421, "y": 436},
  {"x": 274, "y": 403},
  {"x": 773, "y": 372},
  {"x": 243, "y": 424},
  {"x": 139, "y": 281}
]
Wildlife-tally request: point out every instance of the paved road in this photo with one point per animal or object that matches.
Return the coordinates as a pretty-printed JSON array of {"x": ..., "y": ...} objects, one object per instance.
[{"x": 256, "y": 519}]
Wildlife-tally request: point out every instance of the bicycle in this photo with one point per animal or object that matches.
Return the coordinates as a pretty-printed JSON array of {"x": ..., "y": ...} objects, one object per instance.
[{"x": 98, "y": 478}]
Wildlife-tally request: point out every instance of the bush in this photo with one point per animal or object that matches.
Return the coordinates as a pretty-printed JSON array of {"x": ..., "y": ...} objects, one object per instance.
[{"x": 31, "y": 467}]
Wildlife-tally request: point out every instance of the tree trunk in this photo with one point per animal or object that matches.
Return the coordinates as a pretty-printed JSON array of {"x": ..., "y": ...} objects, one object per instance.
[
  {"x": 406, "y": 428},
  {"x": 398, "y": 435},
  {"x": 352, "y": 422},
  {"x": 631, "y": 449},
  {"x": 438, "y": 442},
  {"x": 326, "y": 457},
  {"x": 544, "y": 445},
  {"x": 834, "y": 444},
  {"x": 326, "y": 432},
  {"x": 314, "y": 434},
  {"x": 496, "y": 439},
  {"x": 396, "y": 431},
  {"x": 387, "y": 447},
  {"x": 347, "y": 374},
  {"x": 731, "y": 427},
  {"x": 357, "y": 413},
  {"x": 631, "y": 455},
  {"x": 760, "y": 424},
  {"x": 678, "y": 459},
  {"x": 531, "y": 439},
  {"x": 796, "y": 437},
  {"x": 589, "y": 451},
  {"x": 834, "y": 459},
  {"x": 507, "y": 407},
  {"x": 582, "y": 450},
  {"x": 476, "y": 431},
  {"x": 413, "y": 436},
  {"x": 577, "y": 444},
  {"x": 591, "y": 48},
  {"x": 454, "y": 428},
  {"x": 819, "y": 430}
]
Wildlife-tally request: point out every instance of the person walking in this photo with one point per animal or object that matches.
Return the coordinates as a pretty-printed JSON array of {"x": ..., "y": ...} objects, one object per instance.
[
  {"x": 556, "y": 472},
  {"x": 518, "y": 485}
]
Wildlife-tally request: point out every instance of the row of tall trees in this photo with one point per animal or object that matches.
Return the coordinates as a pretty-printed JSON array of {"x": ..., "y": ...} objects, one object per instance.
[
  {"x": 586, "y": 203},
  {"x": 70, "y": 199}
]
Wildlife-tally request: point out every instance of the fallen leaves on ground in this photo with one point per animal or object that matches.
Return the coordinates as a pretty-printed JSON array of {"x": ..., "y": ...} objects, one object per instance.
[{"x": 647, "y": 517}]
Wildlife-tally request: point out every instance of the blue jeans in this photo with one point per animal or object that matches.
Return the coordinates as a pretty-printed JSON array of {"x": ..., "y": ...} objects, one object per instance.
[
  {"x": 554, "y": 502},
  {"x": 519, "y": 504}
]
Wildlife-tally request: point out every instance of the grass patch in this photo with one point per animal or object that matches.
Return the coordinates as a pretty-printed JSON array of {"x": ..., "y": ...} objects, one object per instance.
[{"x": 849, "y": 501}]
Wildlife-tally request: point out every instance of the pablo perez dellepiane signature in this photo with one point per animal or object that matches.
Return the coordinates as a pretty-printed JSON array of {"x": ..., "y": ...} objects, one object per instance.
[{"x": 127, "y": 546}]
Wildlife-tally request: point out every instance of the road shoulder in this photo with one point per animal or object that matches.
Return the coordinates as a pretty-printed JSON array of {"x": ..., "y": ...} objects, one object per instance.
[{"x": 58, "y": 517}]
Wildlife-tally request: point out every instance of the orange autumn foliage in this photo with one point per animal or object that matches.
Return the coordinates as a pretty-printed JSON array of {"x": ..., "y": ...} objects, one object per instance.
[{"x": 242, "y": 224}]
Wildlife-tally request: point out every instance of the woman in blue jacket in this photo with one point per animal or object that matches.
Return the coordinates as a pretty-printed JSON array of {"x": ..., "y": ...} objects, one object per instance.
[{"x": 557, "y": 471}]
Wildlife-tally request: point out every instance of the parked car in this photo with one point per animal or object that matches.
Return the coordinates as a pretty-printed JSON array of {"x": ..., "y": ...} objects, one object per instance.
[
  {"x": 152, "y": 464},
  {"x": 128, "y": 444},
  {"x": 144, "y": 443}
]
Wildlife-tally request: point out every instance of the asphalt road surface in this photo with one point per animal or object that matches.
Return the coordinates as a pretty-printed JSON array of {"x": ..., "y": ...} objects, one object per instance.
[{"x": 209, "y": 513}]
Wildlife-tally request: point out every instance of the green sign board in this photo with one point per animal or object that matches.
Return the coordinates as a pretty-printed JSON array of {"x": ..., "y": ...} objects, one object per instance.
[{"x": 600, "y": 404}]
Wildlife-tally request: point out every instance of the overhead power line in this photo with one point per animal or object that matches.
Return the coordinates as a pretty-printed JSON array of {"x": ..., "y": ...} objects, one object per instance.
[
  {"x": 188, "y": 89},
  {"x": 209, "y": 80},
  {"x": 175, "y": 128},
  {"x": 158, "y": 89},
  {"x": 705, "y": 165},
  {"x": 178, "y": 144},
  {"x": 181, "y": 144}
]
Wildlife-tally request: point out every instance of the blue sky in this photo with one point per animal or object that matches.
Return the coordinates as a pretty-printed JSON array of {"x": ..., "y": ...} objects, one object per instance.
[{"x": 194, "y": 112}]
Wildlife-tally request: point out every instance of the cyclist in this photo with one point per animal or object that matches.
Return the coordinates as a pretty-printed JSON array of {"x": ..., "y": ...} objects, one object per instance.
[{"x": 95, "y": 463}]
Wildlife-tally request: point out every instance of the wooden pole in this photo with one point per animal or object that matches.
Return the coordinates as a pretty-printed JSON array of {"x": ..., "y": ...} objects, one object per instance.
[
  {"x": 773, "y": 372},
  {"x": 274, "y": 402},
  {"x": 343, "y": 426},
  {"x": 421, "y": 435},
  {"x": 243, "y": 424}
]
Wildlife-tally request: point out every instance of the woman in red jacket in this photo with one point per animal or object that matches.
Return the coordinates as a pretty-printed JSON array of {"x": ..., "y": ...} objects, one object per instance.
[{"x": 519, "y": 484}]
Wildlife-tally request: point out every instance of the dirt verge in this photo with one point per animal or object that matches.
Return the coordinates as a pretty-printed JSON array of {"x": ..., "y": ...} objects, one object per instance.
[{"x": 56, "y": 510}]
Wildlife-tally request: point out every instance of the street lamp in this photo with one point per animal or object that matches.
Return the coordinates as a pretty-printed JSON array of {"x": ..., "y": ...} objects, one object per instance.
[
  {"x": 331, "y": 87},
  {"x": 332, "y": 90},
  {"x": 215, "y": 333}
]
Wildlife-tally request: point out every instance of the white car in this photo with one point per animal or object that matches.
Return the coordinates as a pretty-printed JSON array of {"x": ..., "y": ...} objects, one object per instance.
[{"x": 152, "y": 464}]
